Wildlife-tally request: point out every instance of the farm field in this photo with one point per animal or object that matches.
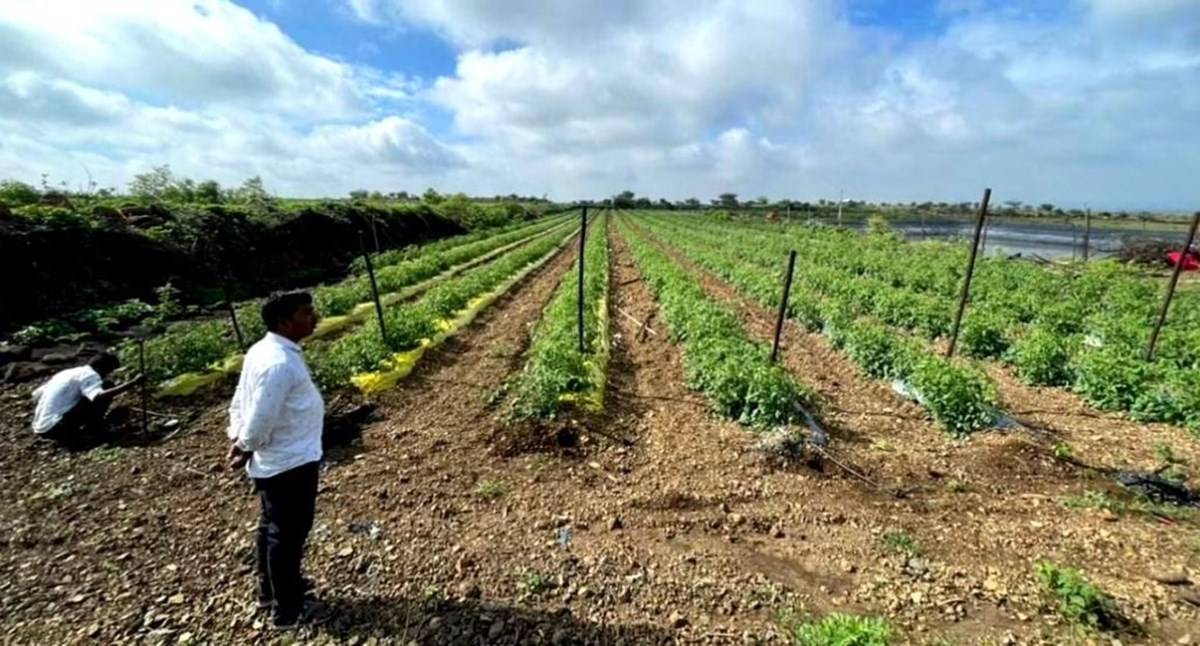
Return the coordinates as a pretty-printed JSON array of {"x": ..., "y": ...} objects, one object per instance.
[{"x": 492, "y": 478}]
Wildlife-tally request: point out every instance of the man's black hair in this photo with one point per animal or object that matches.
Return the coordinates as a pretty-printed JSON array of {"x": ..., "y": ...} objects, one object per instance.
[
  {"x": 104, "y": 363},
  {"x": 280, "y": 306}
]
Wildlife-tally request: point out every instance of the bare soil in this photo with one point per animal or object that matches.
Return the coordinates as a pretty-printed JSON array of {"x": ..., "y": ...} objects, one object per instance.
[{"x": 431, "y": 531}]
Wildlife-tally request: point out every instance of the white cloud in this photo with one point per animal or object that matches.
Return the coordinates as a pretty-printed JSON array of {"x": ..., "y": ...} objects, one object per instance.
[{"x": 1096, "y": 101}]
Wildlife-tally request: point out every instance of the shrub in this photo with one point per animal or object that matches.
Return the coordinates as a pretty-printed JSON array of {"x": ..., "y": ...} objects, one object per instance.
[
  {"x": 837, "y": 629},
  {"x": 1110, "y": 379},
  {"x": 960, "y": 398},
  {"x": 1042, "y": 357},
  {"x": 1080, "y": 602}
]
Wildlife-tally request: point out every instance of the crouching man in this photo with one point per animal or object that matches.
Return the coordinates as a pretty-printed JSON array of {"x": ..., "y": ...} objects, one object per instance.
[
  {"x": 71, "y": 406},
  {"x": 275, "y": 423}
]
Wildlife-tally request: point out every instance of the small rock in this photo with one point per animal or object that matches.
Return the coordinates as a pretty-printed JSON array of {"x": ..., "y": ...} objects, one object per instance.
[
  {"x": 615, "y": 524},
  {"x": 346, "y": 551},
  {"x": 678, "y": 620},
  {"x": 777, "y": 531},
  {"x": 916, "y": 566},
  {"x": 496, "y": 629},
  {"x": 1191, "y": 597},
  {"x": 176, "y": 599},
  {"x": 1184, "y": 640}
]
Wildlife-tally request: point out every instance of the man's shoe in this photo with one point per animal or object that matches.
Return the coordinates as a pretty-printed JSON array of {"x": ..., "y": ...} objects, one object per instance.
[
  {"x": 306, "y": 584},
  {"x": 313, "y": 613}
]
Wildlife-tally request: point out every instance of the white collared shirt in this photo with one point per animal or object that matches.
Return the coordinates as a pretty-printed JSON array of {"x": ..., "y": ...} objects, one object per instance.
[
  {"x": 59, "y": 395},
  {"x": 277, "y": 411}
]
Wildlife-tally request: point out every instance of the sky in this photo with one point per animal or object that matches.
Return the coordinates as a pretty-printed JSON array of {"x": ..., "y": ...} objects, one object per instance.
[{"x": 1073, "y": 102}]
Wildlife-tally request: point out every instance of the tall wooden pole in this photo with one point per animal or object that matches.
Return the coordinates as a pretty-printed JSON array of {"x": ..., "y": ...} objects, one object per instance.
[
  {"x": 374, "y": 287},
  {"x": 966, "y": 287},
  {"x": 1166, "y": 305},
  {"x": 1087, "y": 234},
  {"x": 237, "y": 329},
  {"x": 783, "y": 303}
]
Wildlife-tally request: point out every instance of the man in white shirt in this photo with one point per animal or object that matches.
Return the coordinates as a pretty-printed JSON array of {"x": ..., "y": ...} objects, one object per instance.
[
  {"x": 275, "y": 423},
  {"x": 71, "y": 405}
]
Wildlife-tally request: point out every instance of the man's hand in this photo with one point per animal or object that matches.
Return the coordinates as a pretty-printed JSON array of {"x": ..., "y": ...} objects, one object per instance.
[{"x": 236, "y": 458}]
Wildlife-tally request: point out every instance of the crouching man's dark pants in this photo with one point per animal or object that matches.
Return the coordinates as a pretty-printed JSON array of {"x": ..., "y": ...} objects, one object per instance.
[{"x": 288, "y": 503}]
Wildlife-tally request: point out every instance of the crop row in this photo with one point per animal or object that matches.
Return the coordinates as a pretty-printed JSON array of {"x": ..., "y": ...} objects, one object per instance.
[
  {"x": 191, "y": 346},
  {"x": 365, "y": 349},
  {"x": 420, "y": 264},
  {"x": 556, "y": 374},
  {"x": 958, "y": 395},
  {"x": 735, "y": 374},
  {"x": 1085, "y": 331}
]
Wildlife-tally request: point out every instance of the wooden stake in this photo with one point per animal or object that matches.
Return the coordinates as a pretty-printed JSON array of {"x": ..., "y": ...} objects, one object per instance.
[
  {"x": 374, "y": 287},
  {"x": 783, "y": 303},
  {"x": 1087, "y": 234},
  {"x": 1166, "y": 306},
  {"x": 237, "y": 329},
  {"x": 579, "y": 298},
  {"x": 966, "y": 287}
]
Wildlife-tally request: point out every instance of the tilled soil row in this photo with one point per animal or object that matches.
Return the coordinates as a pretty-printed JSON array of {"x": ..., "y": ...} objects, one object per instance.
[{"x": 982, "y": 511}]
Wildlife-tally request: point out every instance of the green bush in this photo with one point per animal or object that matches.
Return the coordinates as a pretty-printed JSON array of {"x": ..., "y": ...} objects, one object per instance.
[
  {"x": 1080, "y": 602},
  {"x": 14, "y": 193},
  {"x": 983, "y": 334},
  {"x": 960, "y": 398},
  {"x": 1042, "y": 357},
  {"x": 1110, "y": 379},
  {"x": 838, "y": 629}
]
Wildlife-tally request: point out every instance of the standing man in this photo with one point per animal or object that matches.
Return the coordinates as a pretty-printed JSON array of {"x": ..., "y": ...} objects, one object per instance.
[
  {"x": 275, "y": 422},
  {"x": 71, "y": 405}
]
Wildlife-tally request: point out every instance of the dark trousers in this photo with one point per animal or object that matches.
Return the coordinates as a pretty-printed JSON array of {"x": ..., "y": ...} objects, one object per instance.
[
  {"x": 289, "y": 501},
  {"x": 82, "y": 426}
]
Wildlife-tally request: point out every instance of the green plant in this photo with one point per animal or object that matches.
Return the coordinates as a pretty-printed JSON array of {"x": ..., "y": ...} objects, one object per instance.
[
  {"x": 491, "y": 490},
  {"x": 1110, "y": 379},
  {"x": 960, "y": 397},
  {"x": 836, "y": 629},
  {"x": 1062, "y": 450},
  {"x": 901, "y": 542},
  {"x": 1080, "y": 602},
  {"x": 536, "y": 582}
]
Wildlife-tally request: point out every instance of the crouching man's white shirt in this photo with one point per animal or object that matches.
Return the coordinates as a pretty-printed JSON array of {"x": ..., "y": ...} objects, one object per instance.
[
  {"x": 59, "y": 395},
  {"x": 277, "y": 411}
]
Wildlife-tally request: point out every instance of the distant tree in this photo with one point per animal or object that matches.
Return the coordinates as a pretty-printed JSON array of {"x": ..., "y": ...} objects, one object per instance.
[
  {"x": 624, "y": 200},
  {"x": 376, "y": 195},
  {"x": 727, "y": 200},
  {"x": 208, "y": 191},
  {"x": 155, "y": 185},
  {"x": 14, "y": 193},
  {"x": 692, "y": 203},
  {"x": 359, "y": 194},
  {"x": 1047, "y": 207},
  {"x": 252, "y": 192},
  {"x": 762, "y": 200},
  {"x": 431, "y": 196}
]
